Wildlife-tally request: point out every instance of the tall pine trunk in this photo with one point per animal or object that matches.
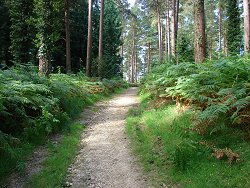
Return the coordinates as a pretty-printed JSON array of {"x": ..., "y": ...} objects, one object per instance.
[
  {"x": 246, "y": 5},
  {"x": 100, "y": 50},
  {"x": 133, "y": 54},
  {"x": 220, "y": 25},
  {"x": 174, "y": 23},
  {"x": 168, "y": 45},
  {"x": 173, "y": 30},
  {"x": 159, "y": 27},
  {"x": 67, "y": 32},
  {"x": 200, "y": 43},
  {"x": 89, "y": 45}
]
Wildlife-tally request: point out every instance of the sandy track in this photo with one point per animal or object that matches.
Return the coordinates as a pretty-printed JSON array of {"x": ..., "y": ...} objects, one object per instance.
[{"x": 105, "y": 158}]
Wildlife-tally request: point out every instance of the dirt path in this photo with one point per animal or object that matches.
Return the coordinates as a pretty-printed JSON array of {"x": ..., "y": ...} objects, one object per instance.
[{"x": 105, "y": 159}]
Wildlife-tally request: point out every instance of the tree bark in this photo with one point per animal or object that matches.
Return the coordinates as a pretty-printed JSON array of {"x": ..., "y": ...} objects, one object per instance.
[
  {"x": 67, "y": 32},
  {"x": 89, "y": 45},
  {"x": 173, "y": 31},
  {"x": 220, "y": 26},
  {"x": 176, "y": 27},
  {"x": 159, "y": 31},
  {"x": 100, "y": 50},
  {"x": 168, "y": 45},
  {"x": 246, "y": 5},
  {"x": 200, "y": 43},
  {"x": 133, "y": 56},
  {"x": 136, "y": 67}
]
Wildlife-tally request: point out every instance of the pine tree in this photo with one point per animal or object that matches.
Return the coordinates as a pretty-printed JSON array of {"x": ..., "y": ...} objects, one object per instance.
[
  {"x": 89, "y": 46},
  {"x": 21, "y": 31},
  {"x": 67, "y": 32},
  {"x": 246, "y": 5},
  {"x": 233, "y": 29},
  {"x": 49, "y": 24},
  {"x": 4, "y": 34},
  {"x": 200, "y": 44}
]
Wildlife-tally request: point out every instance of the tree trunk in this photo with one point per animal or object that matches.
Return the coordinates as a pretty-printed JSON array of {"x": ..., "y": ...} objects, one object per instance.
[
  {"x": 168, "y": 45},
  {"x": 211, "y": 31},
  {"x": 173, "y": 23},
  {"x": 67, "y": 31},
  {"x": 159, "y": 32},
  {"x": 136, "y": 67},
  {"x": 200, "y": 43},
  {"x": 133, "y": 58},
  {"x": 246, "y": 4},
  {"x": 100, "y": 50},
  {"x": 43, "y": 66},
  {"x": 225, "y": 44},
  {"x": 89, "y": 45},
  {"x": 132, "y": 68},
  {"x": 176, "y": 27},
  {"x": 220, "y": 27}
]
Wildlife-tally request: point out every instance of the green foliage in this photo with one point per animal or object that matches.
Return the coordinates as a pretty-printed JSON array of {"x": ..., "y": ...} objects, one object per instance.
[
  {"x": 4, "y": 33},
  {"x": 33, "y": 107},
  {"x": 173, "y": 153},
  {"x": 233, "y": 28},
  {"x": 184, "y": 47},
  {"x": 61, "y": 156},
  {"x": 21, "y": 31},
  {"x": 219, "y": 90},
  {"x": 35, "y": 29},
  {"x": 110, "y": 64}
]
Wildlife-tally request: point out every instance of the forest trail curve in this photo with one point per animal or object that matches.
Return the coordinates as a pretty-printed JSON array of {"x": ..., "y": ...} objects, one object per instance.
[{"x": 105, "y": 158}]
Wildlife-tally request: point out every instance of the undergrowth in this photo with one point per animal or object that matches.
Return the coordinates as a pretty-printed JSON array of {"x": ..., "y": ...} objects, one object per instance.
[
  {"x": 173, "y": 154},
  {"x": 192, "y": 126},
  {"x": 218, "y": 90},
  {"x": 32, "y": 107},
  {"x": 60, "y": 157}
]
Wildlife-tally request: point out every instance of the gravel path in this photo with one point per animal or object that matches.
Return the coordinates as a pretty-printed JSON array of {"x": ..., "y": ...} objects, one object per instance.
[{"x": 105, "y": 159}]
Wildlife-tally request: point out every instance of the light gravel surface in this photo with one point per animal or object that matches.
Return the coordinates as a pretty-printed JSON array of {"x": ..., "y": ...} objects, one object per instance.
[{"x": 105, "y": 159}]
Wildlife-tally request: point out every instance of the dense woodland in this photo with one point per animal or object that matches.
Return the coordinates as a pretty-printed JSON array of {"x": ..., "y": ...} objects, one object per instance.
[
  {"x": 55, "y": 34},
  {"x": 184, "y": 31},
  {"x": 189, "y": 57}
]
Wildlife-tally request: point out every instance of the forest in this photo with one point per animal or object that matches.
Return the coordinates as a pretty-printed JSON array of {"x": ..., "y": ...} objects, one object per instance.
[{"x": 189, "y": 59}]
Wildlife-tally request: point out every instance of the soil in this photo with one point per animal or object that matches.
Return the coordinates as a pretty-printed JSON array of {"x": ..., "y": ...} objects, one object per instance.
[{"x": 105, "y": 158}]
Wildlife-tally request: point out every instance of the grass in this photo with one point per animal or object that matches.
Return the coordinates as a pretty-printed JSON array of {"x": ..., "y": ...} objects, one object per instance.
[
  {"x": 15, "y": 151},
  {"x": 16, "y": 162},
  {"x": 60, "y": 157},
  {"x": 172, "y": 153}
]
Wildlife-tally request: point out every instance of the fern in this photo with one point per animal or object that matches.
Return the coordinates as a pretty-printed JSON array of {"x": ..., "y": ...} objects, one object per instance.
[{"x": 219, "y": 89}]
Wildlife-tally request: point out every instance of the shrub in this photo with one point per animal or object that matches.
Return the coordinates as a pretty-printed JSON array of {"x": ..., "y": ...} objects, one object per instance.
[
  {"x": 34, "y": 106},
  {"x": 220, "y": 89}
]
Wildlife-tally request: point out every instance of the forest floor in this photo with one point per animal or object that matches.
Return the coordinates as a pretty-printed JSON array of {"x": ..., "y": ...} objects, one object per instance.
[{"x": 105, "y": 158}]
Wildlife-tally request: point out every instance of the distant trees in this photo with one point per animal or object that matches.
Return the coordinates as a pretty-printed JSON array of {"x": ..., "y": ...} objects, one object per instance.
[
  {"x": 5, "y": 40},
  {"x": 57, "y": 33},
  {"x": 193, "y": 30},
  {"x": 21, "y": 31},
  {"x": 53, "y": 34}
]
